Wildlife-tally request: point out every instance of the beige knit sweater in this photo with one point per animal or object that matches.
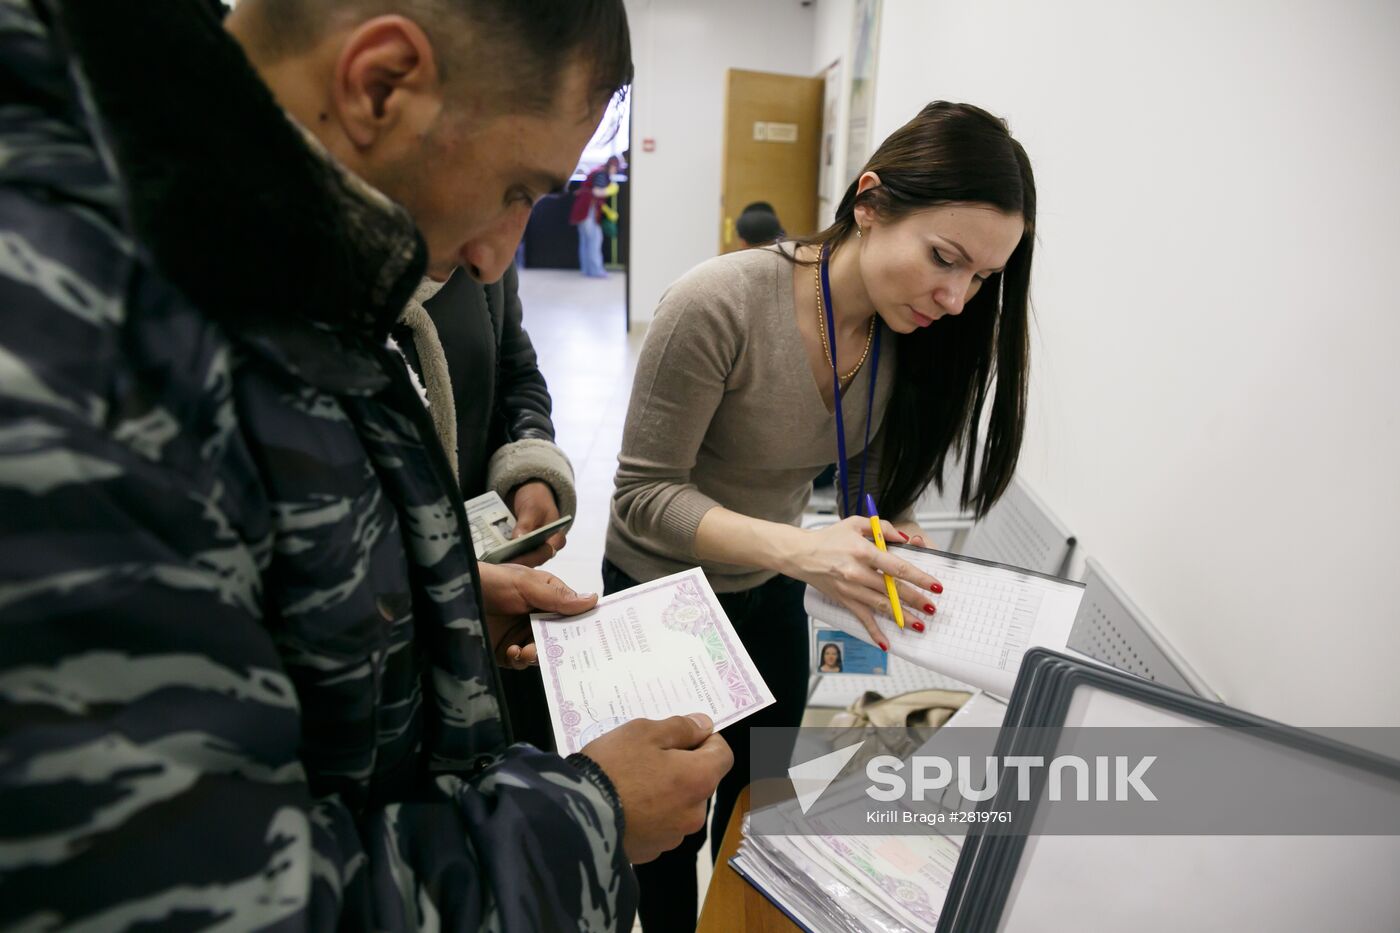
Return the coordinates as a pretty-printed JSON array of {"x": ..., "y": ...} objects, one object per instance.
[{"x": 725, "y": 411}]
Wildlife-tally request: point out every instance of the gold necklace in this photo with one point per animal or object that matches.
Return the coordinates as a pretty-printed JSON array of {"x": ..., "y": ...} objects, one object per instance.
[{"x": 821, "y": 328}]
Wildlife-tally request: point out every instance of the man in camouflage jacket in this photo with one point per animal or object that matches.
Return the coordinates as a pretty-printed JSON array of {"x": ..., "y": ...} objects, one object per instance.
[{"x": 243, "y": 678}]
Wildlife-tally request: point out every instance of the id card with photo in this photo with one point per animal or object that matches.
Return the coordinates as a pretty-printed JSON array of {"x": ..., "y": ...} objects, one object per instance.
[
  {"x": 493, "y": 530},
  {"x": 836, "y": 652}
]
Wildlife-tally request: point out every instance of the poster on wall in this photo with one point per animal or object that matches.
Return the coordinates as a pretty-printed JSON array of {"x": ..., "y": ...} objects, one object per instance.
[
  {"x": 865, "y": 48},
  {"x": 830, "y": 182}
]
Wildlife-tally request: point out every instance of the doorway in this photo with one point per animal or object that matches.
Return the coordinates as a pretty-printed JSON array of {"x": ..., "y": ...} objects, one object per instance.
[
  {"x": 772, "y": 148},
  {"x": 552, "y": 239}
]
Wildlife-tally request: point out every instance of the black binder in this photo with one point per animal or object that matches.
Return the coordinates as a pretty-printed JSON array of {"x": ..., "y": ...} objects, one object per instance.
[{"x": 995, "y": 867}]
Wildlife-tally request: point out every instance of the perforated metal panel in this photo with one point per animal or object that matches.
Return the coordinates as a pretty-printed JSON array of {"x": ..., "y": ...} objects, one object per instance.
[
  {"x": 1020, "y": 531},
  {"x": 1110, "y": 629},
  {"x": 942, "y": 516},
  {"x": 936, "y": 507}
]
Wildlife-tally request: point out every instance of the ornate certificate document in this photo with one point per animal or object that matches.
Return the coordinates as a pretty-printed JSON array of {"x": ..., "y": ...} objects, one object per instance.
[{"x": 661, "y": 649}]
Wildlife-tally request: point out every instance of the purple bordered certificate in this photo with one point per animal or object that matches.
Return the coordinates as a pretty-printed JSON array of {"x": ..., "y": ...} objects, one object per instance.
[{"x": 663, "y": 648}]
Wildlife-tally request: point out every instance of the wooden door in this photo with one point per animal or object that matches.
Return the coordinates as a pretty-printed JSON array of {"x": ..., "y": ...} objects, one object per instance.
[{"x": 772, "y": 145}]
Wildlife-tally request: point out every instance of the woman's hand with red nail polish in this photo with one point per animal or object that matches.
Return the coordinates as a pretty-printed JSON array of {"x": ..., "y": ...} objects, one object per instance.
[
  {"x": 843, "y": 563},
  {"x": 917, "y": 626},
  {"x": 912, "y": 534},
  {"x": 914, "y": 598}
]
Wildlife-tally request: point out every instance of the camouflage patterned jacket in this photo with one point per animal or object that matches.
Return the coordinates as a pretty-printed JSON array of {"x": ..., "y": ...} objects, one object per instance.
[{"x": 242, "y": 674}]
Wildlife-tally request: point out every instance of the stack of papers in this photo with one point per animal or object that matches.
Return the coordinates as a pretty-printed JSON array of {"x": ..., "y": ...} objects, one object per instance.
[
  {"x": 859, "y": 884},
  {"x": 827, "y": 881}
]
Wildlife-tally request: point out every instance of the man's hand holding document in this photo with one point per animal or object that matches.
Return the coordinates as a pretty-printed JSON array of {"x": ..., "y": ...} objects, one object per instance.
[{"x": 661, "y": 649}]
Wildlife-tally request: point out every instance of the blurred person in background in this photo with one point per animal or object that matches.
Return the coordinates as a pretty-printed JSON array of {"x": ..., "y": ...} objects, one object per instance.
[
  {"x": 587, "y": 215},
  {"x": 758, "y": 225}
]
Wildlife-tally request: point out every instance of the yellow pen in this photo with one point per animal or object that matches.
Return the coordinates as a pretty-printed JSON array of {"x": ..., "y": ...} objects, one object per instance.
[{"x": 895, "y": 609}]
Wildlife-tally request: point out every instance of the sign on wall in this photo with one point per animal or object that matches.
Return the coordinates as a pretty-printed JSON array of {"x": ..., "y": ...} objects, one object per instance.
[{"x": 770, "y": 132}]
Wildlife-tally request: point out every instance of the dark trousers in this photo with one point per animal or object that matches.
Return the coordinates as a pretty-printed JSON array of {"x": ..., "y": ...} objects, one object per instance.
[
  {"x": 527, "y": 707},
  {"x": 772, "y": 624}
]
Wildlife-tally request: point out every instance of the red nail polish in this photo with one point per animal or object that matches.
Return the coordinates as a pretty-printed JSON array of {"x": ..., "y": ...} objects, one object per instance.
[
  {"x": 937, "y": 588},
  {"x": 884, "y": 647},
  {"x": 904, "y": 536},
  {"x": 930, "y": 608},
  {"x": 917, "y": 626}
]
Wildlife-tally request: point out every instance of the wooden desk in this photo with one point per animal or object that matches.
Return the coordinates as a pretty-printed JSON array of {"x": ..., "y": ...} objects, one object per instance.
[{"x": 731, "y": 903}]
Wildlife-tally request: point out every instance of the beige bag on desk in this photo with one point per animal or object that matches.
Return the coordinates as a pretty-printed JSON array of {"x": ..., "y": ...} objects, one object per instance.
[{"x": 899, "y": 724}]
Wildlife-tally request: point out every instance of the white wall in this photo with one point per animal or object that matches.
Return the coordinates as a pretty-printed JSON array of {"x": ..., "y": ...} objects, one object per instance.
[
  {"x": 833, "y": 43},
  {"x": 682, "y": 50},
  {"x": 832, "y": 32},
  {"x": 1215, "y": 393}
]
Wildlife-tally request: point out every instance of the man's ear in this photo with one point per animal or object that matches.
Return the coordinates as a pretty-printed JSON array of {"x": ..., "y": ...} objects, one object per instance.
[
  {"x": 386, "y": 74},
  {"x": 863, "y": 213}
]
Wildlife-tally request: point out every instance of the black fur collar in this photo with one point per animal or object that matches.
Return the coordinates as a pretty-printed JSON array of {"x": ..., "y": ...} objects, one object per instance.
[{"x": 225, "y": 195}]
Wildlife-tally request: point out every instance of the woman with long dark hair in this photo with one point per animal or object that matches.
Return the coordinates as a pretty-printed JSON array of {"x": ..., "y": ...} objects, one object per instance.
[{"x": 892, "y": 342}]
